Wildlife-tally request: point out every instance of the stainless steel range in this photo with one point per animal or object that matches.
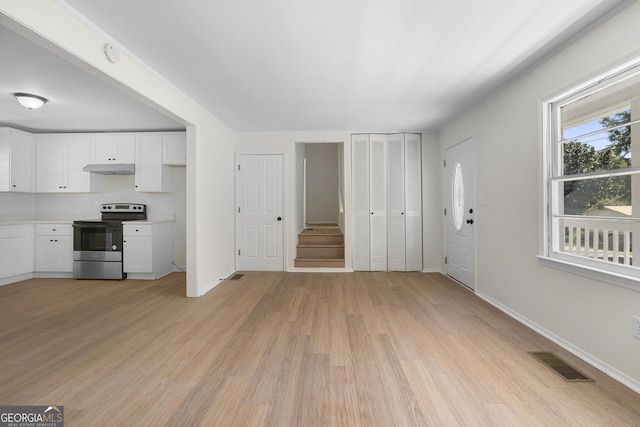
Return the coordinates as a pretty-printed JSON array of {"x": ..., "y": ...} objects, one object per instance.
[{"x": 97, "y": 245}]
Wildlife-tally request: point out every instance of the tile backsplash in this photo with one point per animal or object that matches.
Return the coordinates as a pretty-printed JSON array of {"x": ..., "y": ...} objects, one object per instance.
[
  {"x": 88, "y": 205},
  {"x": 59, "y": 206},
  {"x": 17, "y": 206}
]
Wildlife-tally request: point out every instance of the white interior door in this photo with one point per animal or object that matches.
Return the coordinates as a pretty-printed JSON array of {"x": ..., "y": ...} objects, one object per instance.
[
  {"x": 459, "y": 193},
  {"x": 260, "y": 222}
]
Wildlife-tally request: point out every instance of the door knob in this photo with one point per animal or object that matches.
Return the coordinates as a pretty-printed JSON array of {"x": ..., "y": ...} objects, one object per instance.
[
  {"x": 279, "y": 218},
  {"x": 469, "y": 221}
]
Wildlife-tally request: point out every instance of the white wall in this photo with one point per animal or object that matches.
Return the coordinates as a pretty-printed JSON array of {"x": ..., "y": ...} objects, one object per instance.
[
  {"x": 591, "y": 318},
  {"x": 210, "y": 144}
]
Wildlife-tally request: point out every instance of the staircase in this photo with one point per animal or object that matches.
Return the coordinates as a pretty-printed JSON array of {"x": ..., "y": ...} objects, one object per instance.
[{"x": 320, "y": 246}]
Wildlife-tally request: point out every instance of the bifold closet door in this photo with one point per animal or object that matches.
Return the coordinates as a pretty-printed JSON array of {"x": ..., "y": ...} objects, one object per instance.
[
  {"x": 413, "y": 202},
  {"x": 396, "y": 252},
  {"x": 387, "y": 202},
  {"x": 378, "y": 202},
  {"x": 404, "y": 203},
  {"x": 369, "y": 173},
  {"x": 360, "y": 205}
]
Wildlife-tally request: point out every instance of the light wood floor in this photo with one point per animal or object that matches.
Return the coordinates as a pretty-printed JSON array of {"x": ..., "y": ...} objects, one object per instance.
[{"x": 287, "y": 349}]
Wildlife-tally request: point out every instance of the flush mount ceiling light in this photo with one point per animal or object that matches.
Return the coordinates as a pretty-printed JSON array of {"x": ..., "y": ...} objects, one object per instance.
[{"x": 30, "y": 101}]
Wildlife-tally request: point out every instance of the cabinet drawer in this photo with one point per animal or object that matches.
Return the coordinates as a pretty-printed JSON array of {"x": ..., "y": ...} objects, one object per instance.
[
  {"x": 54, "y": 230},
  {"x": 136, "y": 230}
]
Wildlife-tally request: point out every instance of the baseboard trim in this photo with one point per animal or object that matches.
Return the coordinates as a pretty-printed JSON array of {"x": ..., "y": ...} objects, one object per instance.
[
  {"x": 53, "y": 275},
  {"x": 15, "y": 279},
  {"x": 432, "y": 270},
  {"x": 609, "y": 370}
]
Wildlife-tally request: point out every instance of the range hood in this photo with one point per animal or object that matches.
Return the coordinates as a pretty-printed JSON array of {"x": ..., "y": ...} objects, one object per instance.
[{"x": 111, "y": 169}]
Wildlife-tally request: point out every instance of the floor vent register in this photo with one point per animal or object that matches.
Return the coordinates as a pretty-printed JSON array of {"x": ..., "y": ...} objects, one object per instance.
[{"x": 560, "y": 367}]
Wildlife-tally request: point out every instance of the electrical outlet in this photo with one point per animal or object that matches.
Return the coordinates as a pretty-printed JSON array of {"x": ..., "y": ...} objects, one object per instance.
[{"x": 636, "y": 326}]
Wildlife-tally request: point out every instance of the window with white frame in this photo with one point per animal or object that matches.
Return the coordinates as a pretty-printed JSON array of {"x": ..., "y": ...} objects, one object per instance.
[{"x": 591, "y": 151}]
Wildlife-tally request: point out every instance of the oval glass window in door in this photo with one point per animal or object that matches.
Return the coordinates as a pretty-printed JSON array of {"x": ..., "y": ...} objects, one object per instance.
[{"x": 457, "y": 197}]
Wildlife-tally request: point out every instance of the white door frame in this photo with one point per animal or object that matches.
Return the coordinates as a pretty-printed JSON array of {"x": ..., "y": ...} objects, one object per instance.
[
  {"x": 285, "y": 211},
  {"x": 467, "y": 216}
]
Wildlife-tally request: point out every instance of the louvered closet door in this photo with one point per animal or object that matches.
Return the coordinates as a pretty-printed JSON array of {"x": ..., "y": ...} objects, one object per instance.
[
  {"x": 378, "y": 202},
  {"x": 396, "y": 203},
  {"x": 413, "y": 202},
  {"x": 361, "y": 212}
]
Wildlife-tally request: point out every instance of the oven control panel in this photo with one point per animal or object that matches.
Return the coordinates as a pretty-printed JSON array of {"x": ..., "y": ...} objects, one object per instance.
[{"x": 123, "y": 207}]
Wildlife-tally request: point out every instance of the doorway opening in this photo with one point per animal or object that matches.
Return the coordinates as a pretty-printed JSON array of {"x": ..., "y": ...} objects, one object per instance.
[{"x": 321, "y": 206}]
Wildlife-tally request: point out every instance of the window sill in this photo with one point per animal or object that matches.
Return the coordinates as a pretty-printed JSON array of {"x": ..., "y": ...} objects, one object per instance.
[{"x": 625, "y": 281}]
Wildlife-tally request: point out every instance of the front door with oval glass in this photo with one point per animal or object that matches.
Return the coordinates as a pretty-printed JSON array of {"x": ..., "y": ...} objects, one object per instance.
[{"x": 459, "y": 215}]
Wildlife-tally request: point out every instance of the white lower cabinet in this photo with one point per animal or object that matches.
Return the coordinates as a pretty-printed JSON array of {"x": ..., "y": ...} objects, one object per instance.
[
  {"x": 54, "y": 248},
  {"x": 147, "y": 250},
  {"x": 138, "y": 248},
  {"x": 16, "y": 252}
]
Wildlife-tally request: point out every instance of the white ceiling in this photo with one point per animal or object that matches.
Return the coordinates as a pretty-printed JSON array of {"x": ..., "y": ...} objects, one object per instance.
[
  {"x": 78, "y": 100},
  {"x": 330, "y": 65}
]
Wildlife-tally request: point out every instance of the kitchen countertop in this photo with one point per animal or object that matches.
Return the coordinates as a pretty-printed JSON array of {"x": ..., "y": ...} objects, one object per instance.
[{"x": 155, "y": 220}]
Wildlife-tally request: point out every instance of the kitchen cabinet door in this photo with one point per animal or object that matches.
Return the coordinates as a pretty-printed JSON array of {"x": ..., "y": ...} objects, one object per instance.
[
  {"x": 113, "y": 148},
  {"x": 16, "y": 161},
  {"x": 60, "y": 159},
  {"x": 77, "y": 155},
  {"x": 174, "y": 150},
  {"x": 138, "y": 254},
  {"x": 54, "y": 248},
  {"x": 50, "y": 163},
  {"x": 16, "y": 250},
  {"x": 151, "y": 175},
  {"x": 54, "y": 254}
]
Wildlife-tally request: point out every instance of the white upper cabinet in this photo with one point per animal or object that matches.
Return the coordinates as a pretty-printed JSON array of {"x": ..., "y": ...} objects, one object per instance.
[
  {"x": 174, "y": 150},
  {"x": 59, "y": 161},
  {"x": 16, "y": 160},
  {"x": 113, "y": 148},
  {"x": 151, "y": 174},
  {"x": 387, "y": 202}
]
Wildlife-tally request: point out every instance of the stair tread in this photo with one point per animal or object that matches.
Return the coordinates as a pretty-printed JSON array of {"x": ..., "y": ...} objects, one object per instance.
[{"x": 320, "y": 245}]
